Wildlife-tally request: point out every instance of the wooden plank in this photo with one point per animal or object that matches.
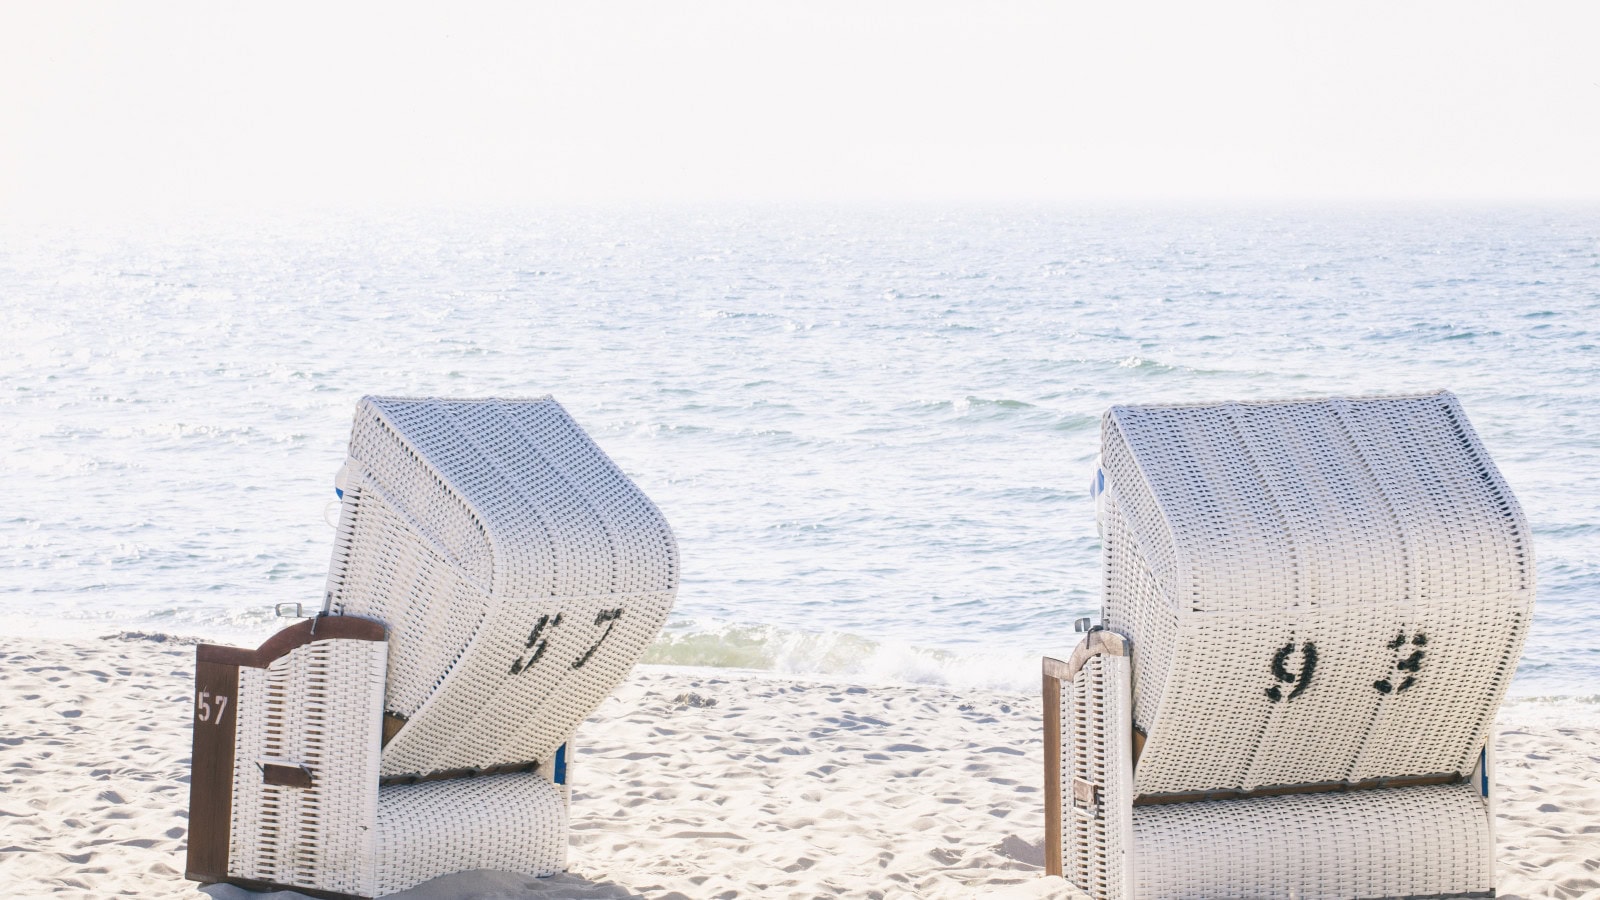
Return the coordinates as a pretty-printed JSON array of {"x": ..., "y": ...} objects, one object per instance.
[
  {"x": 1055, "y": 668},
  {"x": 286, "y": 776},
  {"x": 1095, "y": 643},
  {"x": 321, "y": 628},
  {"x": 216, "y": 688},
  {"x": 392, "y": 723},
  {"x": 1052, "y": 765},
  {"x": 1319, "y": 787}
]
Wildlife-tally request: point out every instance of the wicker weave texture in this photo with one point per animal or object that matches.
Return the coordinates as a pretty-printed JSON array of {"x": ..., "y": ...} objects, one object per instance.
[
  {"x": 482, "y": 712},
  {"x": 520, "y": 573},
  {"x": 1316, "y": 590},
  {"x": 1095, "y": 751},
  {"x": 316, "y": 707},
  {"x": 511, "y": 823},
  {"x": 1399, "y": 842}
]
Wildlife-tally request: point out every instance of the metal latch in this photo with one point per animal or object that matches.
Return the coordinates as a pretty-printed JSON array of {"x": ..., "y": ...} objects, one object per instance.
[
  {"x": 285, "y": 774},
  {"x": 1086, "y": 796}
]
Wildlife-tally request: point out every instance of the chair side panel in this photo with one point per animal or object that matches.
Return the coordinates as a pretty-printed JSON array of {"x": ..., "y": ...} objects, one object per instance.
[
  {"x": 318, "y": 707},
  {"x": 1136, "y": 608},
  {"x": 1144, "y": 526},
  {"x": 216, "y": 722},
  {"x": 1096, "y": 754},
  {"x": 388, "y": 572},
  {"x": 406, "y": 465}
]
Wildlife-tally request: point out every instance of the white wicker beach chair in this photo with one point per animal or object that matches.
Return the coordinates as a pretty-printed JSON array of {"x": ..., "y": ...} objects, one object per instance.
[
  {"x": 494, "y": 577},
  {"x": 1312, "y": 611}
]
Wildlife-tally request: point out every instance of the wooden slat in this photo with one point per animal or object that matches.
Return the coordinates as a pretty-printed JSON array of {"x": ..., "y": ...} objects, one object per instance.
[
  {"x": 322, "y": 628},
  {"x": 286, "y": 776},
  {"x": 1319, "y": 787},
  {"x": 392, "y": 723},
  {"x": 211, "y": 772},
  {"x": 1053, "y": 669},
  {"x": 1095, "y": 643}
]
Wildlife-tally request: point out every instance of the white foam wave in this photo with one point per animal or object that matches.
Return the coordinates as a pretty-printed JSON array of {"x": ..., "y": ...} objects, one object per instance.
[{"x": 843, "y": 656}]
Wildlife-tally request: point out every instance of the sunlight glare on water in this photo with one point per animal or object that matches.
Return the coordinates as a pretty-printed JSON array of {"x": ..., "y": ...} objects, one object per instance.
[{"x": 872, "y": 431}]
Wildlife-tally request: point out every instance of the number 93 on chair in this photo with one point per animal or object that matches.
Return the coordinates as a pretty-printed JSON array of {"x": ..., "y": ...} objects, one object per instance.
[{"x": 1312, "y": 611}]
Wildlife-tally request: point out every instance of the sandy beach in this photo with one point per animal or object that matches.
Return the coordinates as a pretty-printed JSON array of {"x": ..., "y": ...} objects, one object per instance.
[{"x": 688, "y": 784}]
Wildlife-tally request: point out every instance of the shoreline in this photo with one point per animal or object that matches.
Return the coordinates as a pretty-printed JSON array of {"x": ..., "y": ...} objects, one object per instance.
[
  {"x": 1520, "y": 702},
  {"x": 688, "y": 783}
]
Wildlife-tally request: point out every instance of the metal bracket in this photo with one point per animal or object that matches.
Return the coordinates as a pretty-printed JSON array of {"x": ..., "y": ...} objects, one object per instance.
[
  {"x": 298, "y": 613},
  {"x": 293, "y": 775},
  {"x": 1083, "y": 625},
  {"x": 1086, "y": 796}
]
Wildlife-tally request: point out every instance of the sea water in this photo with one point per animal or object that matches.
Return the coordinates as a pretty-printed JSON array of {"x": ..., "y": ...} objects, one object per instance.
[{"x": 872, "y": 430}]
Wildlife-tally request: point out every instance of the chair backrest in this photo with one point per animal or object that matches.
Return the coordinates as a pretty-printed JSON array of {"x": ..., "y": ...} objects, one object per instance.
[
  {"x": 520, "y": 574},
  {"x": 1316, "y": 591}
]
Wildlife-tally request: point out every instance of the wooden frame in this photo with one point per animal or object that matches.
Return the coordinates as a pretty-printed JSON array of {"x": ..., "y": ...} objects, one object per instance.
[{"x": 1055, "y": 672}]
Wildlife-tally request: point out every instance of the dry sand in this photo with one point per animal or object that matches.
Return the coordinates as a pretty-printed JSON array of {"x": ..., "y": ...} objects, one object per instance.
[{"x": 689, "y": 783}]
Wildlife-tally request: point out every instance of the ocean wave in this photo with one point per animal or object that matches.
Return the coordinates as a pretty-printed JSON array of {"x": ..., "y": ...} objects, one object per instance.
[
  {"x": 972, "y": 407},
  {"x": 1147, "y": 366},
  {"x": 847, "y": 657}
]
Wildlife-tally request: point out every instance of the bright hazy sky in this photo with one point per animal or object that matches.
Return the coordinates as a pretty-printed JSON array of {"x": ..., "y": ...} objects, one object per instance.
[{"x": 132, "y": 104}]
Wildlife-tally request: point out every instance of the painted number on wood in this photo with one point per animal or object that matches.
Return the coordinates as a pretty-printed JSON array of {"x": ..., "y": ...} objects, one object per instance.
[{"x": 210, "y": 708}]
